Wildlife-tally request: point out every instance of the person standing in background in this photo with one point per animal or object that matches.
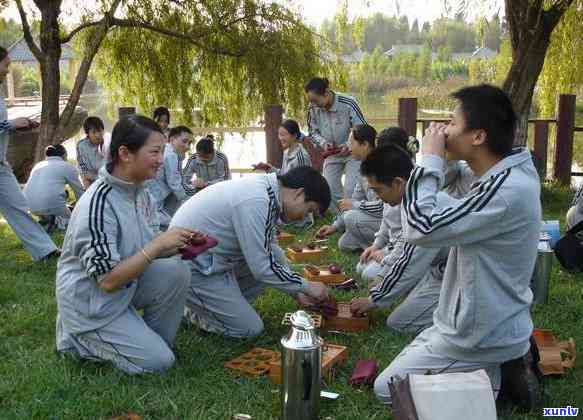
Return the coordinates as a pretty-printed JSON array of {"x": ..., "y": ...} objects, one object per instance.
[
  {"x": 331, "y": 116},
  {"x": 13, "y": 205}
]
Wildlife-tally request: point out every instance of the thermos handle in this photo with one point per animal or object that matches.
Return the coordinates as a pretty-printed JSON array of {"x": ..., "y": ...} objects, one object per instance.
[{"x": 307, "y": 370}]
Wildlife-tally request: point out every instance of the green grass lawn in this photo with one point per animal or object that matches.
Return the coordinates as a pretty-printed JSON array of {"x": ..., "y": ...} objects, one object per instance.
[{"x": 35, "y": 383}]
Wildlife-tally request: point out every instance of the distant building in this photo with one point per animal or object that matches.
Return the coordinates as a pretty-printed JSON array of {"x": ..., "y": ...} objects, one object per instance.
[
  {"x": 404, "y": 49},
  {"x": 19, "y": 53},
  {"x": 484, "y": 52}
]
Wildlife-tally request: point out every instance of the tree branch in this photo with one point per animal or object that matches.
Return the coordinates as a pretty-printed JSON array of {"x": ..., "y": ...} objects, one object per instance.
[
  {"x": 78, "y": 29},
  {"x": 556, "y": 11},
  {"x": 128, "y": 23},
  {"x": 27, "y": 33}
]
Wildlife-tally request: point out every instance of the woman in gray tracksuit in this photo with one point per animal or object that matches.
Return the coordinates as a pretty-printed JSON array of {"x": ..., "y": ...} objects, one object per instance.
[
  {"x": 45, "y": 190},
  {"x": 114, "y": 264},
  {"x": 169, "y": 189},
  {"x": 330, "y": 117},
  {"x": 12, "y": 202}
]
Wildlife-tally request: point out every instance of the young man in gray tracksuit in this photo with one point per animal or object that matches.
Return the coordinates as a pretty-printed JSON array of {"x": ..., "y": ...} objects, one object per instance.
[
  {"x": 169, "y": 189},
  {"x": 242, "y": 214},
  {"x": 209, "y": 165},
  {"x": 45, "y": 190},
  {"x": 407, "y": 269},
  {"x": 483, "y": 318},
  {"x": 331, "y": 116},
  {"x": 90, "y": 154},
  {"x": 13, "y": 205}
]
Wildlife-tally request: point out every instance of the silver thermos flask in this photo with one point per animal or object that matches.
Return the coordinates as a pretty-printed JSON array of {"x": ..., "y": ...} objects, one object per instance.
[
  {"x": 301, "y": 370},
  {"x": 542, "y": 271}
]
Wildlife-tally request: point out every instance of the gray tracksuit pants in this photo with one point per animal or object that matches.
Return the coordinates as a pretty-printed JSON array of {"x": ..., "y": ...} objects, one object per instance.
[
  {"x": 334, "y": 168},
  {"x": 133, "y": 343},
  {"x": 360, "y": 229},
  {"x": 221, "y": 303},
  {"x": 14, "y": 208}
]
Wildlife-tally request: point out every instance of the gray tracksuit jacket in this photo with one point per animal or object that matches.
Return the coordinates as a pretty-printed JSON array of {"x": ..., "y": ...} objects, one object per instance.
[
  {"x": 89, "y": 159},
  {"x": 297, "y": 158},
  {"x": 242, "y": 214},
  {"x": 216, "y": 170},
  {"x": 407, "y": 264},
  {"x": 45, "y": 189},
  {"x": 112, "y": 221},
  {"x": 578, "y": 200},
  {"x": 169, "y": 178},
  {"x": 5, "y": 128},
  {"x": 390, "y": 227},
  {"x": 484, "y": 306},
  {"x": 363, "y": 199},
  {"x": 333, "y": 125}
]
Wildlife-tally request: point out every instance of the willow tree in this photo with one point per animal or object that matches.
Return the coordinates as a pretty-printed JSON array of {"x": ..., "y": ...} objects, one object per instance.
[{"x": 227, "y": 57}]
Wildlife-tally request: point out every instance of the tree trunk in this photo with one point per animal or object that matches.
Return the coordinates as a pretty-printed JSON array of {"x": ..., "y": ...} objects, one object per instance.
[
  {"x": 530, "y": 27},
  {"x": 50, "y": 45}
]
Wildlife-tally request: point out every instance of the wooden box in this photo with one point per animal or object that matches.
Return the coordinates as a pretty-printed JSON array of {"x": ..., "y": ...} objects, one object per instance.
[
  {"x": 323, "y": 275},
  {"x": 255, "y": 362},
  {"x": 284, "y": 238},
  {"x": 332, "y": 356},
  {"x": 345, "y": 321},
  {"x": 307, "y": 255}
]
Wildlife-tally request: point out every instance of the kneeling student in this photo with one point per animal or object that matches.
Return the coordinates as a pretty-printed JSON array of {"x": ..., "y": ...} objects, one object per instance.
[
  {"x": 209, "y": 165},
  {"x": 169, "y": 189},
  {"x": 242, "y": 215},
  {"x": 407, "y": 268},
  {"x": 483, "y": 318},
  {"x": 113, "y": 263},
  {"x": 361, "y": 215},
  {"x": 45, "y": 190}
]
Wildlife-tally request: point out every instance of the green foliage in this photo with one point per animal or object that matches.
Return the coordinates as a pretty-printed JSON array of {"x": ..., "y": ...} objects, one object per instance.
[
  {"x": 248, "y": 55},
  {"x": 443, "y": 70},
  {"x": 457, "y": 35},
  {"x": 563, "y": 68},
  {"x": 30, "y": 82},
  {"x": 492, "y": 70},
  {"x": 10, "y": 31}
]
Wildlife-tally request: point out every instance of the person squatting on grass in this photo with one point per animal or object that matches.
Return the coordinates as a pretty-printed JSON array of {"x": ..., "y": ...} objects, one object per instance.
[
  {"x": 13, "y": 205},
  {"x": 370, "y": 264},
  {"x": 483, "y": 318},
  {"x": 361, "y": 215},
  {"x": 242, "y": 214},
  {"x": 45, "y": 190},
  {"x": 209, "y": 165},
  {"x": 407, "y": 269},
  {"x": 330, "y": 118},
  {"x": 114, "y": 263},
  {"x": 90, "y": 151},
  {"x": 168, "y": 188}
]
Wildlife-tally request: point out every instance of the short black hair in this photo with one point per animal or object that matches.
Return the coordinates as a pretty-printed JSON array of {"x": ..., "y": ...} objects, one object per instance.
[
  {"x": 131, "y": 131},
  {"x": 387, "y": 163},
  {"x": 393, "y": 135},
  {"x": 315, "y": 186},
  {"x": 318, "y": 85},
  {"x": 93, "y": 123},
  {"x": 3, "y": 53},
  {"x": 55, "y": 150},
  {"x": 159, "y": 112},
  {"x": 206, "y": 145},
  {"x": 292, "y": 127},
  {"x": 488, "y": 108},
  {"x": 178, "y": 130},
  {"x": 364, "y": 133}
]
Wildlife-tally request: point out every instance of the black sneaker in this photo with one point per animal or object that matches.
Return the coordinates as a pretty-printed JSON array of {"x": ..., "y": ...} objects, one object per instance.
[
  {"x": 522, "y": 381},
  {"x": 52, "y": 256}
]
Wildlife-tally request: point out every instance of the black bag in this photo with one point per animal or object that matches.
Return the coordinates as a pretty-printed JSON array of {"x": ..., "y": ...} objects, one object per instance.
[{"x": 569, "y": 249}]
